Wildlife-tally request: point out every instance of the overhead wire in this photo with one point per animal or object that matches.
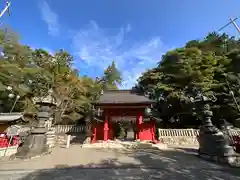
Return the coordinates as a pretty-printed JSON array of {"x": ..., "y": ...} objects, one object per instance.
[
  {"x": 232, "y": 21},
  {"x": 2, "y": 21},
  {"x": 228, "y": 24}
]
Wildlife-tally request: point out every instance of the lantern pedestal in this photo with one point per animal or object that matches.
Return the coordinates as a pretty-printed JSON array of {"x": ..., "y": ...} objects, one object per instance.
[{"x": 36, "y": 143}]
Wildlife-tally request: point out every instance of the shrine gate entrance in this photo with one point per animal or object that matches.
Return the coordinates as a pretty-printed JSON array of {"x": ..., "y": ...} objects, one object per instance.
[{"x": 119, "y": 107}]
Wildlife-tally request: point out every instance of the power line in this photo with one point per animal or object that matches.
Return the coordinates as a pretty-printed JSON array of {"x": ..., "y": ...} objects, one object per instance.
[
  {"x": 2, "y": 20},
  {"x": 235, "y": 25},
  {"x": 6, "y": 8},
  {"x": 232, "y": 21}
]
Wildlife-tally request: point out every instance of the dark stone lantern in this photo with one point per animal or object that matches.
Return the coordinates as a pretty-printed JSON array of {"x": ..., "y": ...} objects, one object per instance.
[
  {"x": 212, "y": 141},
  {"x": 35, "y": 143}
]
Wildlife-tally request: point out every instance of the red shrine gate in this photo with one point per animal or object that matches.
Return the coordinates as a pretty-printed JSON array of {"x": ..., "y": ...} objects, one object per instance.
[{"x": 126, "y": 106}]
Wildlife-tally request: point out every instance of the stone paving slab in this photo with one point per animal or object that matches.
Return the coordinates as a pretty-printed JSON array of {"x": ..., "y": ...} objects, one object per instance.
[
  {"x": 125, "y": 145},
  {"x": 80, "y": 163},
  {"x": 120, "y": 173}
]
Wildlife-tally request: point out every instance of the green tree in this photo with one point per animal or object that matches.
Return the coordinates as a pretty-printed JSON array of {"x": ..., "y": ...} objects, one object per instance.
[
  {"x": 112, "y": 77},
  {"x": 15, "y": 71},
  {"x": 206, "y": 65},
  {"x": 32, "y": 73}
]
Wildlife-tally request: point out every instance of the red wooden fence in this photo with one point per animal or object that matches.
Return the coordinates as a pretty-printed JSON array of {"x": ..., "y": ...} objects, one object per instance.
[{"x": 5, "y": 140}]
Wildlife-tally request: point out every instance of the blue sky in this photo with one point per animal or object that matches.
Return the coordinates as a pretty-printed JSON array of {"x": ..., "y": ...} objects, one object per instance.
[{"x": 134, "y": 33}]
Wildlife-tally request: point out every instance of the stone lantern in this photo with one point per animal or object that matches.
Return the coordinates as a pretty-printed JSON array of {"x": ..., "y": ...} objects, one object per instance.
[
  {"x": 213, "y": 143},
  {"x": 36, "y": 143}
]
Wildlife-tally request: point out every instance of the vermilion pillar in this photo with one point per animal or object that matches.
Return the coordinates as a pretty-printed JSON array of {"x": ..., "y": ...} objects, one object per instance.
[
  {"x": 105, "y": 128},
  {"x": 153, "y": 122},
  {"x": 139, "y": 123},
  {"x": 137, "y": 129}
]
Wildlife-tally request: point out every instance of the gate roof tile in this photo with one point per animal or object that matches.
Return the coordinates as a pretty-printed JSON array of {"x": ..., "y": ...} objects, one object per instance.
[{"x": 123, "y": 97}]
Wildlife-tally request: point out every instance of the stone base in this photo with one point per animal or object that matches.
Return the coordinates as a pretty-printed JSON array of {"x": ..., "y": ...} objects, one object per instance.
[
  {"x": 179, "y": 140},
  {"x": 39, "y": 130},
  {"x": 51, "y": 140},
  {"x": 34, "y": 145},
  {"x": 233, "y": 161},
  {"x": 125, "y": 145},
  {"x": 15, "y": 158}
]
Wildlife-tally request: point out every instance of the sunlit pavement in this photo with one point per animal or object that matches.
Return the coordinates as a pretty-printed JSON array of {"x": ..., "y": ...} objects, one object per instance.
[{"x": 144, "y": 164}]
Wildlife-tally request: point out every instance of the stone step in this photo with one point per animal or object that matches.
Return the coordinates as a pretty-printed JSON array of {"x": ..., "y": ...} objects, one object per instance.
[{"x": 125, "y": 145}]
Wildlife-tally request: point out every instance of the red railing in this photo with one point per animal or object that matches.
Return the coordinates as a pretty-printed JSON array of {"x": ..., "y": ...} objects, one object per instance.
[{"x": 5, "y": 140}]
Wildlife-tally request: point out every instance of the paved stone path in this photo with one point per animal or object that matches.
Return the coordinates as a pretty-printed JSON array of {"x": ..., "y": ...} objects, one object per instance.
[{"x": 89, "y": 164}]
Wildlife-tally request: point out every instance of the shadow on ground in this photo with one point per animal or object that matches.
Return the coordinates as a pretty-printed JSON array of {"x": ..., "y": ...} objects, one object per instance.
[
  {"x": 154, "y": 164},
  {"x": 187, "y": 150}
]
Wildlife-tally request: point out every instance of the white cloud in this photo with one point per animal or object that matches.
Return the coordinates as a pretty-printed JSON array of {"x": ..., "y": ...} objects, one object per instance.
[
  {"x": 95, "y": 48},
  {"x": 50, "y": 18}
]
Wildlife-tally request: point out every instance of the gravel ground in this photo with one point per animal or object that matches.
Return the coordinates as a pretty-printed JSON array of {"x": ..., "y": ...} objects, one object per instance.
[{"x": 79, "y": 163}]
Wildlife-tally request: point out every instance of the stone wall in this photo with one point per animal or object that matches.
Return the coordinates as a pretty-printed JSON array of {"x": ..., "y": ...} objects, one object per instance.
[
  {"x": 178, "y": 136},
  {"x": 76, "y": 138},
  {"x": 184, "y": 136},
  {"x": 77, "y": 133},
  {"x": 167, "y": 136},
  {"x": 58, "y": 135},
  {"x": 69, "y": 129},
  {"x": 179, "y": 140}
]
